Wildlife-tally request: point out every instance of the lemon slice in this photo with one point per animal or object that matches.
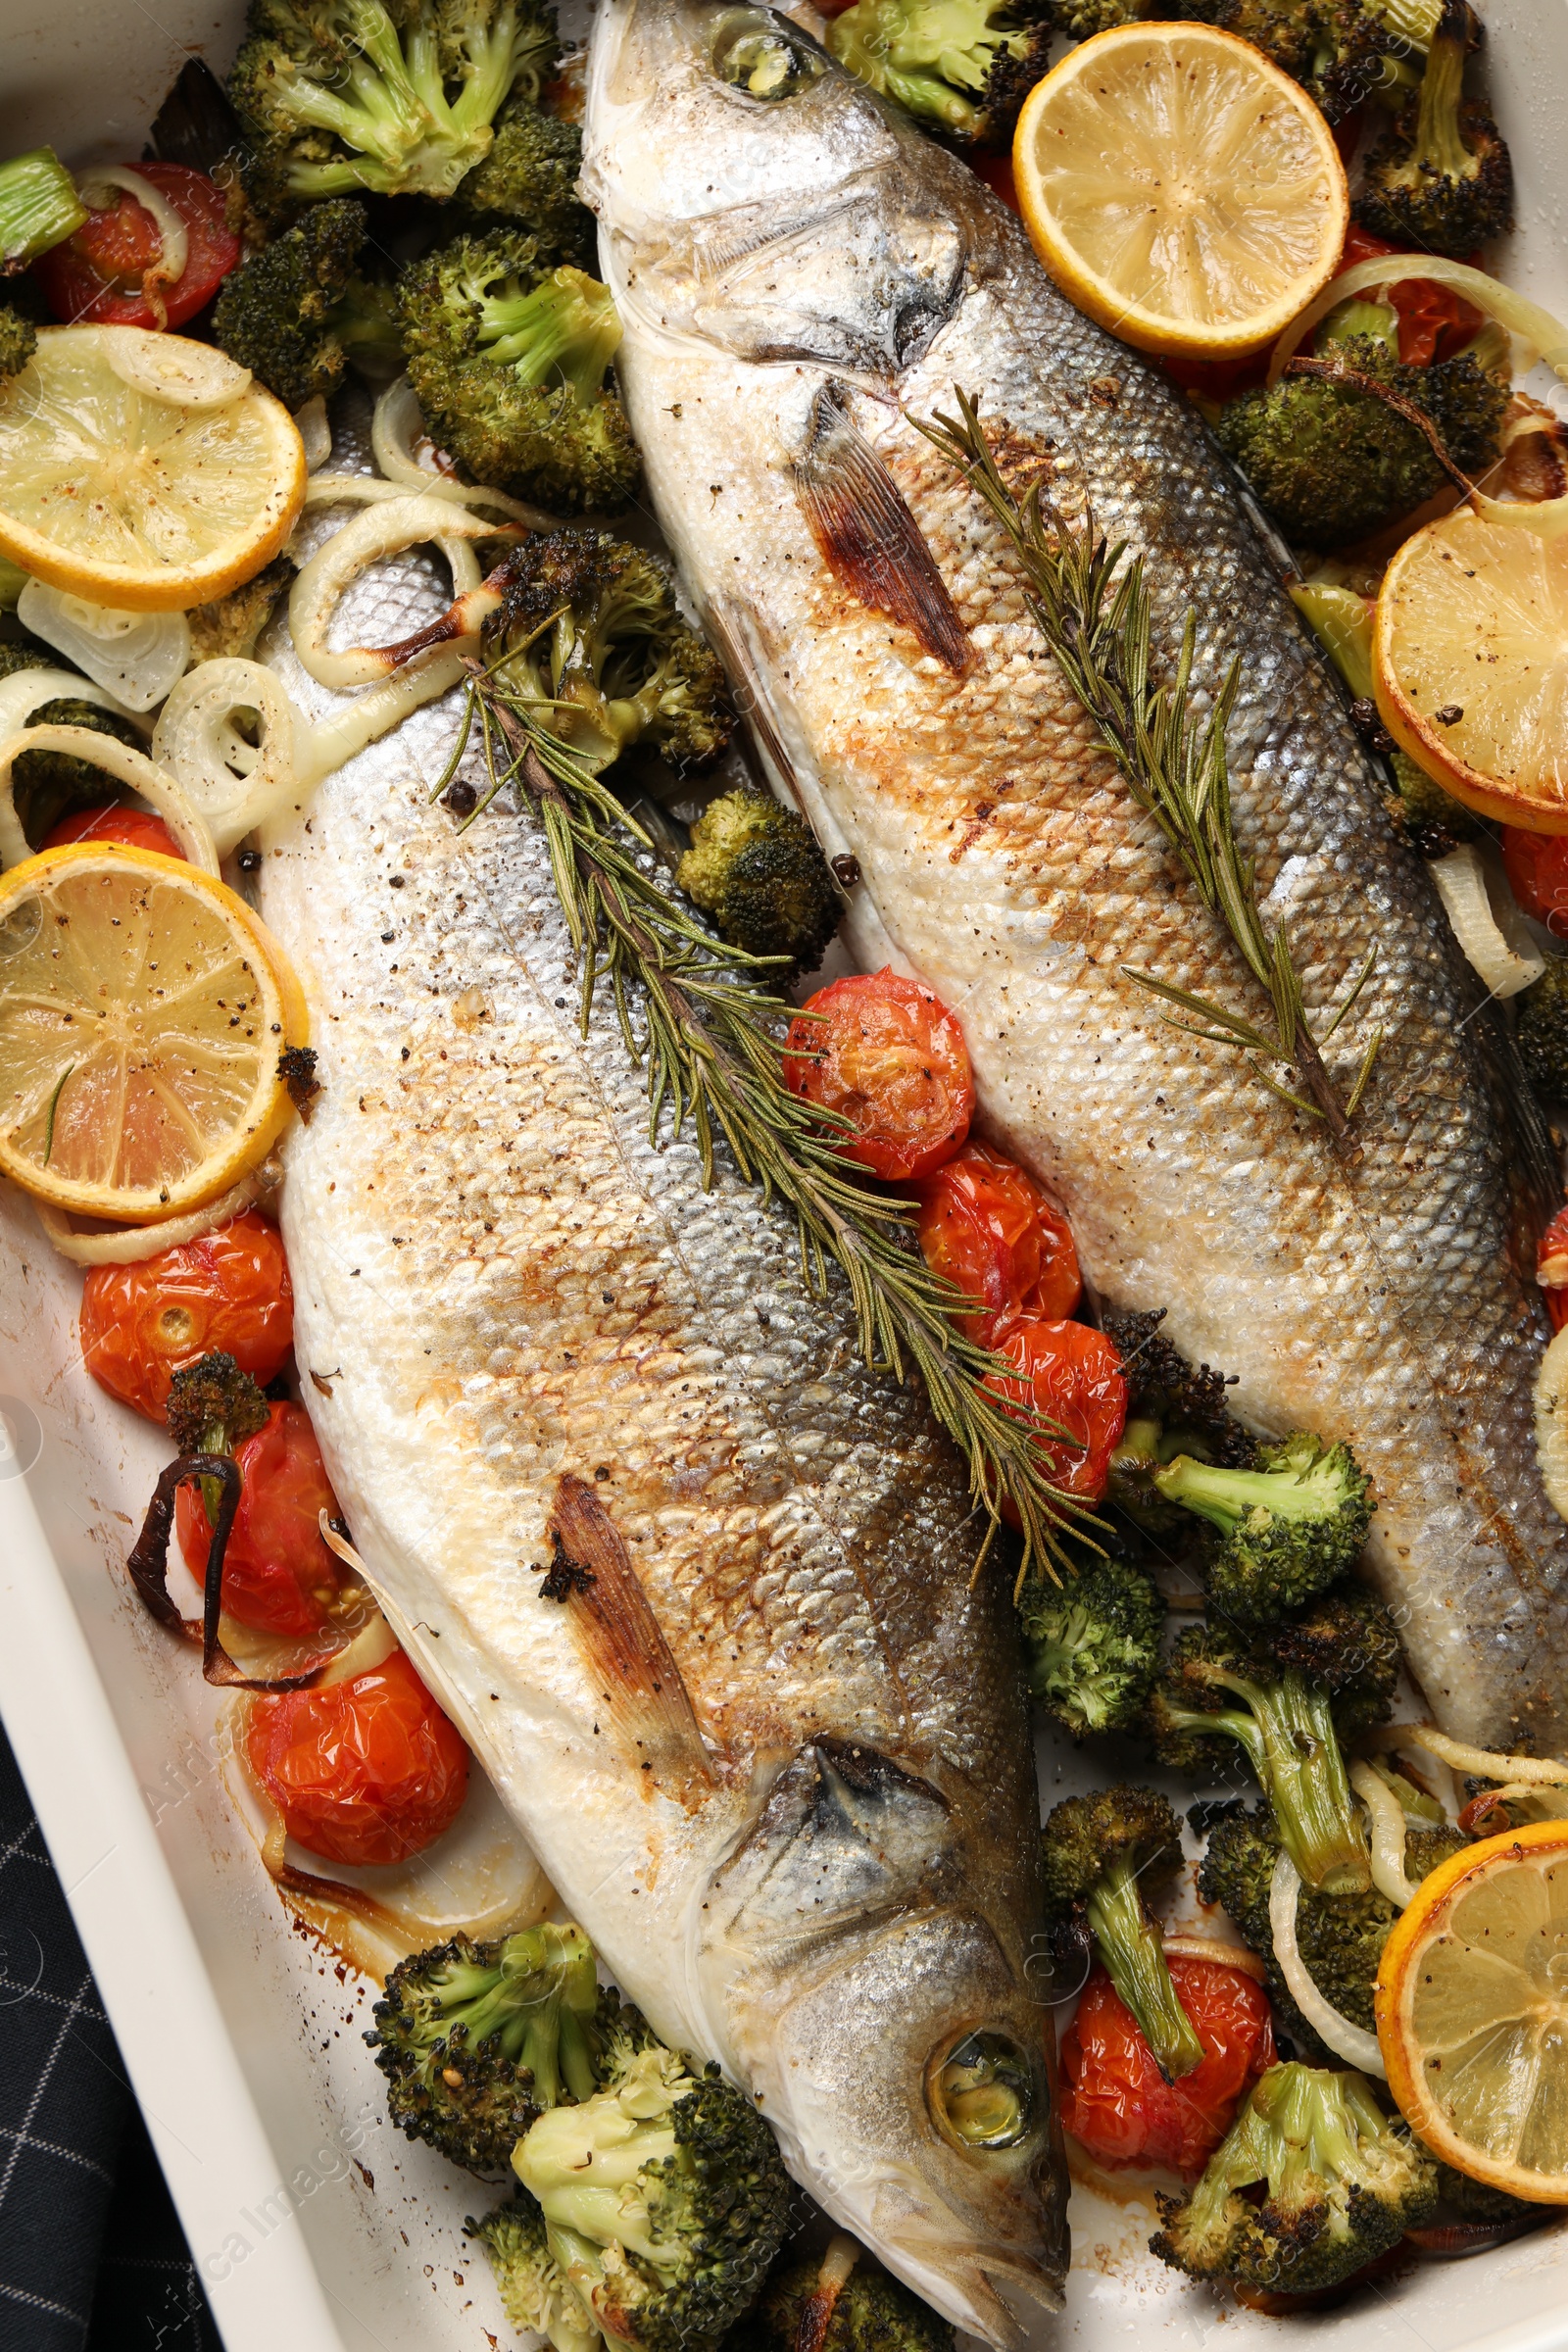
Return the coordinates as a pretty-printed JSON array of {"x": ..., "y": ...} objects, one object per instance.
[
  {"x": 1472, "y": 2012},
  {"x": 142, "y": 1011},
  {"x": 128, "y": 495},
  {"x": 1180, "y": 188},
  {"x": 1470, "y": 666}
]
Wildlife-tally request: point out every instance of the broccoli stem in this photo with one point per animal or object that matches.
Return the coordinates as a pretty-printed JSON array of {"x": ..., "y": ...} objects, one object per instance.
[
  {"x": 1134, "y": 1958},
  {"x": 535, "y": 2008},
  {"x": 1290, "y": 1737},
  {"x": 1225, "y": 1497},
  {"x": 566, "y": 327},
  {"x": 39, "y": 206},
  {"x": 1437, "y": 147}
]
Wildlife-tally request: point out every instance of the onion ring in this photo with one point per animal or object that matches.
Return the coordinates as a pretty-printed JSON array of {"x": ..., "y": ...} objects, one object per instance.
[
  {"x": 397, "y": 424},
  {"x": 131, "y": 768},
  {"x": 235, "y": 785},
  {"x": 384, "y": 530},
  {"x": 1506, "y": 965},
  {"x": 1349, "y": 2041},
  {"x": 131, "y": 1245},
  {"x": 1388, "y": 1835}
]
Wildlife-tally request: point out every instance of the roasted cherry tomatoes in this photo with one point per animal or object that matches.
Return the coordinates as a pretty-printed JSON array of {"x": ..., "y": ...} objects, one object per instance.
[
  {"x": 889, "y": 1055},
  {"x": 992, "y": 1232},
  {"x": 1434, "y": 321},
  {"x": 99, "y": 275},
  {"x": 1536, "y": 867},
  {"x": 363, "y": 1771},
  {"x": 278, "y": 1576},
  {"x": 1551, "y": 1268},
  {"x": 136, "y": 828},
  {"x": 1073, "y": 1376},
  {"x": 228, "y": 1290},
  {"x": 1114, "y": 2099}
]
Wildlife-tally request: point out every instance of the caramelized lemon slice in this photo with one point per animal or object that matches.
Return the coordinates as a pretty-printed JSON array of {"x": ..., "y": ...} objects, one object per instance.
[
  {"x": 1180, "y": 188},
  {"x": 142, "y": 1011}
]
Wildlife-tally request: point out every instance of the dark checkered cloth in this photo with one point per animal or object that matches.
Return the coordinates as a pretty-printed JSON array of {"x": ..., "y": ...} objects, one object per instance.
[{"x": 91, "y": 2254}]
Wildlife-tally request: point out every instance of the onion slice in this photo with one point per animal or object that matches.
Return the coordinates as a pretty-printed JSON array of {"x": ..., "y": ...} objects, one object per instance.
[
  {"x": 235, "y": 785},
  {"x": 1351, "y": 2042},
  {"x": 1388, "y": 1833},
  {"x": 329, "y": 742},
  {"x": 384, "y": 530},
  {"x": 1216, "y": 1951},
  {"x": 172, "y": 239},
  {"x": 27, "y": 690},
  {"x": 173, "y": 369},
  {"x": 395, "y": 428},
  {"x": 131, "y": 768},
  {"x": 131, "y": 1245},
  {"x": 1506, "y": 967},
  {"x": 314, "y": 432},
  {"x": 136, "y": 657},
  {"x": 1481, "y": 1763}
]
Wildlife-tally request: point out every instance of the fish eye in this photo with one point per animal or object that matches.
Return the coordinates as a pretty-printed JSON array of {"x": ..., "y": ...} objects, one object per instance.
[
  {"x": 982, "y": 2095},
  {"x": 754, "y": 54}
]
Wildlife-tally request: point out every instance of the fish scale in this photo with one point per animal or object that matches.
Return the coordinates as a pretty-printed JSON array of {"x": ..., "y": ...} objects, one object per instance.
[
  {"x": 1387, "y": 1302},
  {"x": 506, "y": 1288}
]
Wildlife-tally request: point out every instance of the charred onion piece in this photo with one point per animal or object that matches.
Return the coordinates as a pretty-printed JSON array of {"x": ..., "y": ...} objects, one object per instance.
[{"x": 148, "y": 1563}]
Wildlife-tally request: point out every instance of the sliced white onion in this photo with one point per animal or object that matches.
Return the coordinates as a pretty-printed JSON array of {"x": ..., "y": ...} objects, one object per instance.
[
  {"x": 1388, "y": 1833},
  {"x": 1351, "y": 2042},
  {"x": 135, "y": 656},
  {"x": 328, "y": 744},
  {"x": 382, "y": 531},
  {"x": 172, "y": 367},
  {"x": 1551, "y": 1434},
  {"x": 371, "y": 1646},
  {"x": 131, "y": 1245},
  {"x": 398, "y": 427},
  {"x": 1481, "y": 1763},
  {"x": 235, "y": 785},
  {"x": 1214, "y": 1949},
  {"x": 131, "y": 768},
  {"x": 1505, "y": 965},
  {"x": 314, "y": 432},
  {"x": 27, "y": 690},
  {"x": 94, "y": 187}
]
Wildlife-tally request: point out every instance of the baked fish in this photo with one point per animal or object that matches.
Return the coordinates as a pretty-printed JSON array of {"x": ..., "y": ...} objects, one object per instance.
[
  {"x": 695, "y": 1584},
  {"x": 801, "y": 275}
]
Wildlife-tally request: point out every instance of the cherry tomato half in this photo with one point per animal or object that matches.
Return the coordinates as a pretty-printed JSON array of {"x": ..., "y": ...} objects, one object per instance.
[
  {"x": 1114, "y": 2099},
  {"x": 1551, "y": 1268},
  {"x": 227, "y": 1290},
  {"x": 278, "y": 1576},
  {"x": 890, "y": 1056},
  {"x": 1536, "y": 867},
  {"x": 1073, "y": 1376},
  {"x": 993, "y": 1234},
  {"x": 1434, "y": 323},
  {"x": 364, "y": 1770},
  {"x": 98, "y": 274},
  {"x": 137, "y": 828}
]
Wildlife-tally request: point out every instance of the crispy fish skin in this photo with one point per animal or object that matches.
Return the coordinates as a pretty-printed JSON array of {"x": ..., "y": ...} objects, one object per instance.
[
  {"x": 798, "y": 281},
  {"x": 814, "y": 1855}
]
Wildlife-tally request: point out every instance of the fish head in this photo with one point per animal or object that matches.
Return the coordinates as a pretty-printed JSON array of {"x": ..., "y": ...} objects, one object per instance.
[
  {"x": 754, "y": 197},
  {"x": 863, "y": 1966}
]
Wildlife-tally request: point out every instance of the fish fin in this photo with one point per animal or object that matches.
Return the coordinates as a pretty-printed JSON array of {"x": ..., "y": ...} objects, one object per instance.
[
  {"x": 867, "y": 535},
  {"x": 621, "y": 1640},
  {"x": 1535, "y": 1176}
]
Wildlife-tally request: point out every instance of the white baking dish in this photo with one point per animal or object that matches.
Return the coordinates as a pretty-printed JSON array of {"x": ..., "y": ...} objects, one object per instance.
[{"x": 313, "y": 2225}]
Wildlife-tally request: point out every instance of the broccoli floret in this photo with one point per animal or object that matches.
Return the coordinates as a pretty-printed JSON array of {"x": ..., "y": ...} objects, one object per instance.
[
  {"x": 1343, "y": 2184},
  {"x": 1332, "y": 462},
  {"x": 367, "y": 325},
  {"x": 1330, "y": 1671},
  {"x": 1341, "y": 50},
  {"x": 1542, "y": 1032},
  {"x": 1443, "y": 182},
  {"x": 228, "y": 627},
  {"x": 962, "y": 67},
  {"x": 1102, "y": 1854},
  {"x": 529, "y": 179},
  {"x": 476, "y": 2041},
  {"x": 1433, "y": 822},
  {"x": 1476, "y": 2201},
  {"x": 755, "y": 866},
  {"x": 870, "y": 2311},
  {"x": 278, "y": 314},
  {"x": 536, "y": 2296},
  {"x": 664, "y": 2202},
  {"x": 213, "y": 1407},
  {"x": 19, "y": 340},
  {"x": 588, "y": 631},
  {"x": 1079, "y": 19},
  {"x": 1171, "y": 1409},
  {"x": 1291, "y": 1527},
  {"x": 47, "y": 785},
  {"x": 342, "y": 95},
  {"x": 1094, "y": 1645},
  {"x": 509, "y": 358}
]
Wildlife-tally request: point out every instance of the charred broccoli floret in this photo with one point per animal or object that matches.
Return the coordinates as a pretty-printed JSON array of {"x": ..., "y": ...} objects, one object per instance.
[
  {"x": 1342, "y": 2182},
  {"x": 869, "y": 2310},
  {"x": 1172, "y": 1408},
  {"x": 47, "y": 785},
  {"x": 1333, "y": 463},
  {"x": 962, "y": 67},
  {"x": 1079, "y": 19},
  {"x": 1325, "y": 1674},
  {"x": 1340, "y": 50},
  {"x": 508, "y": 358},
  {"x": 228, "y": 628},
  {"x": 1290, "y": 1526},
  {"x": 1542, "y": 1032},
  {"x": 1094, "y": 1645},
  {"x": 292, "y": 313},
  {"x": 1443, "y": 182},
  {"x": 588, "y": 632},
  {"x": 651, "y": 2213},
  {"x": 476, "y": 2041},
  {"x": 529, "y": 179},
  {"x": 342, "y": 95},
  {"x": 19, "y": 340},
  {"x": 755, "y": 866},
  {"x": 1341, "y": 1937},
  {"x": 213, "y": 1407},
  {"x": 1102, "y": 1854}
]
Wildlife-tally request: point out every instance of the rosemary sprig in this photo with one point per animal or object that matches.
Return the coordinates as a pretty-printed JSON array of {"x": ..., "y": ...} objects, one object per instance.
[
  {"x": 713, "y": 1040},
  {"x": 1094, "y": 612}
]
